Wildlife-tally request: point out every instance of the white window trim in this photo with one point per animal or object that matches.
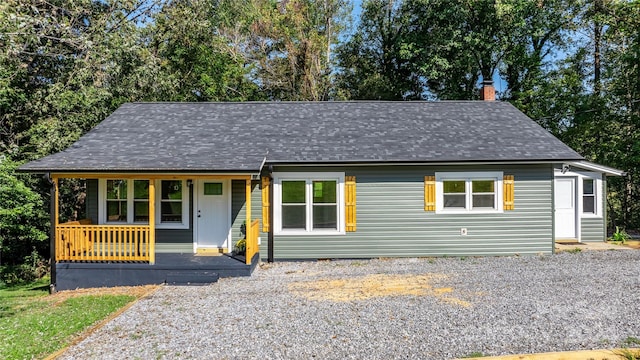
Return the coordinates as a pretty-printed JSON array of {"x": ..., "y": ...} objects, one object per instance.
[
  {"x": 597, "y": 181},
  {"x": 185, "y": 207},
  {"x": 468, "y": 177},
  {"x": 102, "y": 208},
  {"x": 307, "y": 176}
]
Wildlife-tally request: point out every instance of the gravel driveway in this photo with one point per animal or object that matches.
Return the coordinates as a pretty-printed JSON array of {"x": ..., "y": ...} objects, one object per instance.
[{"x": 387, "y": 308}]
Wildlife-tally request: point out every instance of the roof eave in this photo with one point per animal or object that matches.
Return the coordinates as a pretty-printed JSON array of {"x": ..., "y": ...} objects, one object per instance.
[
  {"x": 413, "y": 162},
  {"x": 587, "y": 165}
]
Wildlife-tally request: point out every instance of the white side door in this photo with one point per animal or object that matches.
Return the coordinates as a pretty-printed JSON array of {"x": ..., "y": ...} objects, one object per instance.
[
  {"x": 565, "y": 207},
  {"x": 212, "y": 215}
]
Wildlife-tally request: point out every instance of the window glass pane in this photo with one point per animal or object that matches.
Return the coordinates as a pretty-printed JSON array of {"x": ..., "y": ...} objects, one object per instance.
[
  {"x": 171, "y": 212},
  {"x": 324, "y": 192},
  {"x": 587, "y": 186},
  {"x": 141, "y": 189},
  {"x": 141, "y": 211},
  {"x": 454, "y": 201},
  {"x": 116, "y": 189},
  {"x": 171, "y": 190},
  {"x": 294, "y": 217},
  {"x": 293, "y": 192},
  {"x": 455, "y": 186},
  {"x": 589, "y": 204},
  {"x": 213, "y": 188},
  {"x": 484, "y": 186},
  {"x": 116, "y": 210},
  {"x": 483, "y": 201},
  {"x": 325, "y": 217}
]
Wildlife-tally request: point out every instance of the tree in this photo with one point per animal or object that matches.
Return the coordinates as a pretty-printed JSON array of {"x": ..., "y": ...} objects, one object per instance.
[
  {"x": 375, "y": 63},
  {"x": 197, "y": 62},
  {"x": 290, "y": 43},
  {"x": 23, "y": 219}
]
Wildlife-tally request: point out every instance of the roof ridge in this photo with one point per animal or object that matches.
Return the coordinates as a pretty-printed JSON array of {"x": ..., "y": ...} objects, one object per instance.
[{"x": 322, "y": 102}]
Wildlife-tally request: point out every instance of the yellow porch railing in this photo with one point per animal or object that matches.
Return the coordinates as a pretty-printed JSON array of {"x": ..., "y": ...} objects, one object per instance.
[
  {"x": 252, "y": 241},
  {"x": 104, "y": 243}
]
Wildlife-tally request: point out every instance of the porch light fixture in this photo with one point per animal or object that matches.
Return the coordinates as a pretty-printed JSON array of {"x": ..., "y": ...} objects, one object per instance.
[{"x": 189, "y": 182}]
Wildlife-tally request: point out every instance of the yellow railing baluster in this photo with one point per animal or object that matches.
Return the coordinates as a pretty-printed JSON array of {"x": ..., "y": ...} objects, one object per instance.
[
  {"x": 102, "y": 243},
  {"x": 252, "y": 242}
]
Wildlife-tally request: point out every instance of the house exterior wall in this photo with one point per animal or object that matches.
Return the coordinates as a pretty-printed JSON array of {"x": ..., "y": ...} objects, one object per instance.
[
  {"x": 592, "y": 228},
  {"x": 391, "y": 220},
  {"x": 167, "y": 240},
  {"x": 595, "y": 229},
  {"x": 238, "y": 208}
]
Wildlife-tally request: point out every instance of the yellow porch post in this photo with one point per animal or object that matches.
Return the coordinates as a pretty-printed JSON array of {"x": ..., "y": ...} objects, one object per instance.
[
  {"x": 152, "y": 222},
  {"x": 248, "y": 228}
]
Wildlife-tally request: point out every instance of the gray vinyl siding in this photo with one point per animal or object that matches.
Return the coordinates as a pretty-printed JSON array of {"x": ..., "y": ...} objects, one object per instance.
[
  {"x": 591, "y": 230},
  {"x": 594, "y": 229},
  {"x": 391, "y": 220},
  {"x": 238, "y": 206}
]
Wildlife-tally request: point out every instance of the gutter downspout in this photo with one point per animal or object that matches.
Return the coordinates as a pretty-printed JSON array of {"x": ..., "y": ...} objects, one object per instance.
[{"x": 270, "y": 235}]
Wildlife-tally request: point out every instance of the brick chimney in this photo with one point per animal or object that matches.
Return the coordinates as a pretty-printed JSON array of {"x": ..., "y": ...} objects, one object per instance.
[{"x": 488, "y": 92}]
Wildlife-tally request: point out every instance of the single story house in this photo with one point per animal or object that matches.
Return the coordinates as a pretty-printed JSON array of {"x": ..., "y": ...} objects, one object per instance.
[{"x": 169, "y": 182}]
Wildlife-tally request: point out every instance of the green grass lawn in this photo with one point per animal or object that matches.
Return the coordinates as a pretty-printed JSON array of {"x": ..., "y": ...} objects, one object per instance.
[{"x": 34, "y": 324}]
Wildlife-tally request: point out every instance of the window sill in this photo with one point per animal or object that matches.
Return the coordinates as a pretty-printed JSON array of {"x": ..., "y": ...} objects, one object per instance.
[
  {"x": 469, "y": 212},
  {"x": 591, "y": 216},
  {"x": 172, "y": 226},
  {"x": 309, "y": 233}
]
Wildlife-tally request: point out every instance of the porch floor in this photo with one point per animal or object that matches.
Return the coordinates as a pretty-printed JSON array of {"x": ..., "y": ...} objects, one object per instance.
[{"x": 73, "y": 275}]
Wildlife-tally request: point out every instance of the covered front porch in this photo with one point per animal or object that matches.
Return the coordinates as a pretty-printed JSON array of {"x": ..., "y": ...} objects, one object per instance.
[
  {"x": 179, "y": 269},
  {"x": 122, "y": 237}
]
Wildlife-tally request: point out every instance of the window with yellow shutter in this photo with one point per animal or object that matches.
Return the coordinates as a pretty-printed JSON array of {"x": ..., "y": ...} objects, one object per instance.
[
  {"x": 266, "y": 204},
  {"x": 350, "y": 203}
]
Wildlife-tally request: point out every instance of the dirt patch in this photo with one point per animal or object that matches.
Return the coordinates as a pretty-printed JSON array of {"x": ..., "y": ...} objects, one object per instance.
[
  {"x": 635, "y": 244},
  {"x": 137, "y": 291},
  {"x": 379, "y": 285}
]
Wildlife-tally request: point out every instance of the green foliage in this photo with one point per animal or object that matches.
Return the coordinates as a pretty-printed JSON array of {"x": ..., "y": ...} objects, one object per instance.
[
  {"x": 377, "y": 62},
  {"x": 629, "y": 354},
  {"x": 630, "y": 341},
  {"x": 31, "y": 327},
  {"x": 619, "y": 236},
  {"x": 33, "y": 267},
  {"x": 23, "y": 220},
  {"x": 475, "y": 354},
  {"x": 240, "y": 247}
]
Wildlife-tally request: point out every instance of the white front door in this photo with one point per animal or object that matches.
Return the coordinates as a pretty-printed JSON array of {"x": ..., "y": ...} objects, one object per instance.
[
  {"x": 565, "y": 207},
  {"x": 212, "y": 216}
]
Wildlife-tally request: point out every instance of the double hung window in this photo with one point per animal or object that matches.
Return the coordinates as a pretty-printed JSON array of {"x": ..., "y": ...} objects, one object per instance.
[
  {"x": 469, "y": 192},
  {"x": 309, "y": 203},
  {"x": 126, "y": 201},
  {"x": 589, "y": 196},
  {"x": 171, "y": 201}
]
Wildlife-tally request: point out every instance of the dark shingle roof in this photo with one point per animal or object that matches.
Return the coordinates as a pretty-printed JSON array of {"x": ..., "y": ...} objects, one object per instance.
[{"x": 240, "y": 136}]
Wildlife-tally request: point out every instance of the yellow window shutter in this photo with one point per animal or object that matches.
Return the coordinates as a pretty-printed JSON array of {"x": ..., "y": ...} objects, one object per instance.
[
  {"x": 430, "y": 193},
  {"x": 350, "y": 203},
  {"x": 266, "y": 205},
  {"x": 507, "y": 184}
]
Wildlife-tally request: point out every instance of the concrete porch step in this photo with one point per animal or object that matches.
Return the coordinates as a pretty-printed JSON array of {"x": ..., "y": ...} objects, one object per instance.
[{"x": 193, "y": 278}]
